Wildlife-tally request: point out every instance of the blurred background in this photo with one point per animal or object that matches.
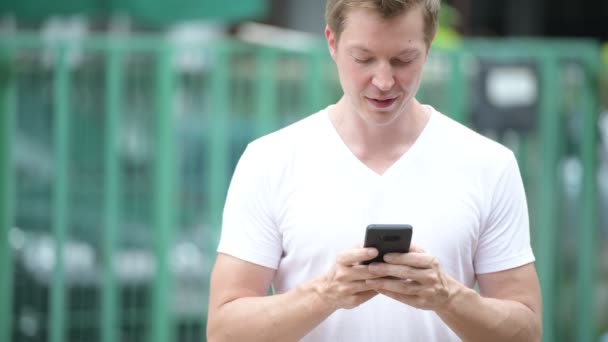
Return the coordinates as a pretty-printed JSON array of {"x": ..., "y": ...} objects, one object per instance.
[{"x": 121, "y": 122}]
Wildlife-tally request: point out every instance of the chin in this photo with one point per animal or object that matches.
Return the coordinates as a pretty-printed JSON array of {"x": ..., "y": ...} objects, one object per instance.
[{"x": 379, "y": 119}]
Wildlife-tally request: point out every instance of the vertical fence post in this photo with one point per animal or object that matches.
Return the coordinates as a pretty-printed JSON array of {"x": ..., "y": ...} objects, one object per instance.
[
  {"x": 316, "y": 82},
  {"x": 219, "y": 145},
  {"x": 458, "y": 88},
  {"x": 61, "y": 148},
  {"x": 7, "y": 197},
  {"x": 588, "y": 209},
  {"x": 164, "y": 198},
  {"x": 112, "y": 198},
  {"x": 547, "y": 200},
  {"x": 266, "y": 118}
]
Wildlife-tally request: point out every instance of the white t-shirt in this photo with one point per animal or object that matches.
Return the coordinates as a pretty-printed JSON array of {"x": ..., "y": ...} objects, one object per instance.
[{"x": 299, "y": 197}]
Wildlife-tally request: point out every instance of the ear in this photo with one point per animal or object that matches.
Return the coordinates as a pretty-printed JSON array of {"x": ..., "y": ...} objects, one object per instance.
[{"x": 331, "y": 42}]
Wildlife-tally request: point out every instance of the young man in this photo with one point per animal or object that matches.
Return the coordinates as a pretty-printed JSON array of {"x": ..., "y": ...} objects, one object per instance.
[{"x": 300, "y": 200}]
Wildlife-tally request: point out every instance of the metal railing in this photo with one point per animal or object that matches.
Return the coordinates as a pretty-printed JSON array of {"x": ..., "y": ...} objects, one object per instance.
[{"x": 118, "y": 153}]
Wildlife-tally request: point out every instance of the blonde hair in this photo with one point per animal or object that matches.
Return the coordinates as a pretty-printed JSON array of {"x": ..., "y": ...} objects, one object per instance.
[{"x": 336, "y": 11}]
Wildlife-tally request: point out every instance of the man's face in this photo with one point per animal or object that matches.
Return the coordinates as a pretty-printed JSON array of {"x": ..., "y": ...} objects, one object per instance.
[{"x": 380, "y": 62}]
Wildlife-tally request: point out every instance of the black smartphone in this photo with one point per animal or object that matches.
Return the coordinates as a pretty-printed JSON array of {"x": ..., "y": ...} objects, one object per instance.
[{"x": 387, "y": 238}]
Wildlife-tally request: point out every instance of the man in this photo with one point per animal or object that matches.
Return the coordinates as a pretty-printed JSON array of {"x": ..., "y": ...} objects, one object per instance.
[{"x": 300, "y": 200}]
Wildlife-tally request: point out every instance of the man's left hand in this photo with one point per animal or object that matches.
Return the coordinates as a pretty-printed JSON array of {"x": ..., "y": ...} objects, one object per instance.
[{"x": 414, "y": 278}]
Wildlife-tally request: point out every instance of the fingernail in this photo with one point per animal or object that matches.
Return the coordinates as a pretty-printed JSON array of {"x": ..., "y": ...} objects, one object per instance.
[{"x": 372, "y": 252}]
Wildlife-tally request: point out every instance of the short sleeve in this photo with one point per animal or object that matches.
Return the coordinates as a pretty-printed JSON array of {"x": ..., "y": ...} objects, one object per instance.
[
  {"x": 505, "y": 235},
  {"x": 249, "y": 231}
]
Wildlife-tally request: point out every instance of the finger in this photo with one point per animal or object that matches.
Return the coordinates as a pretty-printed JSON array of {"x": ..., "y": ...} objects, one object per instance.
[
  {"x": 426, "y": 298},
  {"x": 416, "y": 249},
  {"x": 361, "y": 298},
  {"x": 353, "y": 273},
  {"x": 382, "y": 269},
  {"x": 355, "y": 256},
  {"x": 363, "y": 287},
  {"x": 356, "y": 288},
  {"x": 367, "y": 295},
  {"x": 407, "y": 299},
  {"x": 423, "y": 276},
  {"x": 402, "y": 287},
  {"x": 418, "y": 260}
]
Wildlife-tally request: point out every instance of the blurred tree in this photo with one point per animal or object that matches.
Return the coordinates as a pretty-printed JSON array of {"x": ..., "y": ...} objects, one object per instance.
[{"x": 447, "y": 35}]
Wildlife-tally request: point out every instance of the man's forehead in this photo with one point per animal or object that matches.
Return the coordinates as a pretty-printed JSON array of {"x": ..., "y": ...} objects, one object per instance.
[{"x": 364, "y": 49}]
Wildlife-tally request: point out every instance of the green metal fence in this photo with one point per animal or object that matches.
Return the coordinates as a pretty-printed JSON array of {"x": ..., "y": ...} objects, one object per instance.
[
  {"x": 116, "y": 155},
  {"x": 159, "y": 13},
  {"x": 7, "y": 197},
  {"x": 565, "y": 228}
]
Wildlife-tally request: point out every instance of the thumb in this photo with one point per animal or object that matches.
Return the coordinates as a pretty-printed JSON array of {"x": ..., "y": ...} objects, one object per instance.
[{"x": 416, "y": 249}]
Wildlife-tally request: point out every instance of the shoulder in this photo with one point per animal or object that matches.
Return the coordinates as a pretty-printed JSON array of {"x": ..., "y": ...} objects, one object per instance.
[
  {"x": 272, "y": 155},
  {"x": 285, "y": 141},
  {"x": 469, "y": 156},
  {"x": 469, "y": 146}
]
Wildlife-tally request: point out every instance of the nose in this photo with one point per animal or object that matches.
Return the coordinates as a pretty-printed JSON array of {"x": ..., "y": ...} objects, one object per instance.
[{"x": 383, "y": 78}]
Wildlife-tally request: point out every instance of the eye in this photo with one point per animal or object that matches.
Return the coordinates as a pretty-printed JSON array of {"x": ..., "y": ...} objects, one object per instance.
[
  {"x": 402, "y": 62},
  {"x": 362, "y": 60}
]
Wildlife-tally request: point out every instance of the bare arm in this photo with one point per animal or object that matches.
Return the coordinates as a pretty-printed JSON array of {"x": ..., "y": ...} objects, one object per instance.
[
  {"x": 240, "y": 310},
  {"x": 507, "y": 309}
]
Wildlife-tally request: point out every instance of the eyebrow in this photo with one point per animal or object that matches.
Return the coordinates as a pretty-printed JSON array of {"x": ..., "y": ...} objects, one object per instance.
[{"x": 406, "y": 51}]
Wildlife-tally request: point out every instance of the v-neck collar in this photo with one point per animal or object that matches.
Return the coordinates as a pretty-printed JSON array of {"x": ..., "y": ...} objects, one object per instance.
[{"x": 401, "y": 163}]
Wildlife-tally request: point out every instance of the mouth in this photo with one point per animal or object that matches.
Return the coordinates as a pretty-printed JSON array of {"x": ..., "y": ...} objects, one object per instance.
[{"x": 382, "y": 103}]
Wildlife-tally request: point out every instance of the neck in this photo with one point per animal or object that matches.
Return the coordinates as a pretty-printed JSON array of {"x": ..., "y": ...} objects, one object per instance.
[{"x": 364, "y": 138}]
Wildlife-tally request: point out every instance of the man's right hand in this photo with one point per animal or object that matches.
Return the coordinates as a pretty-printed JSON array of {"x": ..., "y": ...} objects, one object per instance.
[
  {"x": 344, "y": 286},
  {"x": 239, "y": 307}
]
